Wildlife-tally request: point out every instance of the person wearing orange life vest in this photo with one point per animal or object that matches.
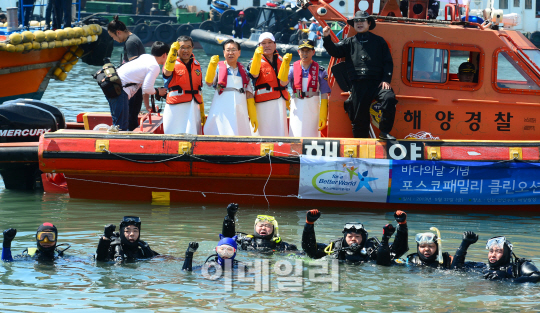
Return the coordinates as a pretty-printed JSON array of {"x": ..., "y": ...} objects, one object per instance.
[
  {"x": 303, "y": 29},
  {"x": 308, "y": 79},
  {"x": 233, "y": 105},
  {"x": 269, "y": 72},
  {"x": 184, "y": 110}
]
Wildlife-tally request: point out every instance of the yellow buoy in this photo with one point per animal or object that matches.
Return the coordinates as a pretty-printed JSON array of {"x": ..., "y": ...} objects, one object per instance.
[
  {"x": 27, "y": 36},
  {"x": 78, "y": 31},
  {"x": 76, "y": 42},
  {"x": 60, "y": 34},
  {"x": 34, "y": 23},
  {"x": 69, "y": 32},
  {"x": 52, "y": 44},
  {"x": 66, "y": 42},
  {"x": 94, "y": 38},
  {"x": 3, "y": 46},
  {"x": 57, "y": 72},
  {"x": 27, "y": 46},
  {"x": 86, "y": 30},
  {"x": 68, "y": 68},
  {"x": 19, "y": 48},
  {"x": 15, "y": 38},
  {"x": 83, "y": 40},
  {"x": 50, "y": 35},
  {"x": 36, "y": 45},
  {"x": 72, "y": 49},
  {"x": 58, "y": 43},
  {"x": 39, "y": 36},
  {"x": 79, "y": 52},
  {"x": 62, "y": 76},
  {"x": 99, "y": 29},
  {"x": 44, "y": 45},
  {"x": 10, "y": 48}
]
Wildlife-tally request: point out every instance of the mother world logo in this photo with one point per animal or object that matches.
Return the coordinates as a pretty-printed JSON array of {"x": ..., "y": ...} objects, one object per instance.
[{"x": 336, "y": 182}]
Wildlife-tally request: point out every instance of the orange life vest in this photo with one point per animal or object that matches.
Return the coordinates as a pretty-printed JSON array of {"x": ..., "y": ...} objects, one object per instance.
[
  {"x": 267, "y": 86},
  {"x": 185, "y": 85}
]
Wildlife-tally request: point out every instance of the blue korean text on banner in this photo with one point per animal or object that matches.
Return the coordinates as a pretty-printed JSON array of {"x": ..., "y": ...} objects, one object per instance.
[
  {"x": 445, "y": 182},
  {"x": 344, "y": 179}
]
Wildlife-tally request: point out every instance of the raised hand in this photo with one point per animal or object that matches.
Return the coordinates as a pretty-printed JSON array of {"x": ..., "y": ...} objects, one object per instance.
[
  {"x": 388, "y": 230},
  {"x": 470, "y": 237},
  {"x": 400, "y": 217},
  {"x": 312, "y": 216},
  {"x": 9, "y": 235},
  {"x": 109, "y": 231},
  {"x": 232, "y": 209}
]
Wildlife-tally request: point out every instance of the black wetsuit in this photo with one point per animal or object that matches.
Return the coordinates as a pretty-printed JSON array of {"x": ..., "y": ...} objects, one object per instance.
[
  {"x": 518, "y": 270},
  {"x": 114, "y": 250},
  {"x": 372, "y": 249},
  {"x": 255, "y": 242},
  {"x": 368, "y": 62},
  {"x": 415, "y": 258}
]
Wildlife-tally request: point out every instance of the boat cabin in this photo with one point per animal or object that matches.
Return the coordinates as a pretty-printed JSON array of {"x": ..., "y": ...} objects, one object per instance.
[{"x": 501, "y": 103}]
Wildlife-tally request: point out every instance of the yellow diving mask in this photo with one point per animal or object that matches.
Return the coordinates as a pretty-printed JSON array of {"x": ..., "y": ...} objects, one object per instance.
[{"x": 46, "y": 236}]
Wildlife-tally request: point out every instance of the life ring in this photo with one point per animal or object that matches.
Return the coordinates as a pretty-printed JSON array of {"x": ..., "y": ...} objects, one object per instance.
[
  {"x": 251, "y": 14},
  {"x": 208, "y": 25},
  {"x": 165, "y": 33},
  {"x": 144, "y": 32},
  {"x": 227, "y": 18},
  {"x": 184, "y": 30}
]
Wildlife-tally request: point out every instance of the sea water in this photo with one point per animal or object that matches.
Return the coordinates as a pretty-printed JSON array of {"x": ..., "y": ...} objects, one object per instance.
[{"x": 273, "y": 283}]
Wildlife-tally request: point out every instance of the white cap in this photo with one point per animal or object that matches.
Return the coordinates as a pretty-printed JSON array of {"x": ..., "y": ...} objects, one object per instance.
[{"x": 266, "y": 35}]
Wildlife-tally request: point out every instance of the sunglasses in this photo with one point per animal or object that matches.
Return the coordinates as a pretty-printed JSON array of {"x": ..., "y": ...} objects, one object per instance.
[{"x": 360, "y": 20}]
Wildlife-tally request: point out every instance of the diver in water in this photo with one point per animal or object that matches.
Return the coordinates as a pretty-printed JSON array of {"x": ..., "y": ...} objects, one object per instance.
[
  {"x": 46, "y": 239},
  {"x": 265, "y": 236},
  {"x": 355, "y": 246},
  {"x": 503, "y": 263},
  {"x": 123, "y": 245},
  {"x": 429, "y": 250},
  {"x": 224, "y": 256}
]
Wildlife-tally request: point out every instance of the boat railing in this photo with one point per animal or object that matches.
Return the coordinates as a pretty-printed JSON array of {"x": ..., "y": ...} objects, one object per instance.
[{"x": 22, "y": 6}]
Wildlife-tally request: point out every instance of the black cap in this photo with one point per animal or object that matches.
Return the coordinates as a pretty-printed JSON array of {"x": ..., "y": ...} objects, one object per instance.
[
  {"x": 467, "y": 67},
  {"x": 362, "y": 15},
  {"x": 306, "y": 44}
]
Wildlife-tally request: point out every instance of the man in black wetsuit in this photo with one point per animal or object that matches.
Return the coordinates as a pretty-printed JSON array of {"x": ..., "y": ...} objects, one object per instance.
[
  {"x": 265, "y": 236},
  {"x": 125, "y": 245},
  {"x": 503, "y": 263},
  {"x": 355, "y": 246},
  {"x": 369, "y": 68}
]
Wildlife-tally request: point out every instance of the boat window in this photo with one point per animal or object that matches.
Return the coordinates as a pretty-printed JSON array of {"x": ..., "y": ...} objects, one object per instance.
[
  {"x": 510, "y": 75},
  {"x": 528, "y": 4},
  {"x": 534, "y": 55},
  {"x": 429, "y": 65},
  {"x": 503, "y": 4}
]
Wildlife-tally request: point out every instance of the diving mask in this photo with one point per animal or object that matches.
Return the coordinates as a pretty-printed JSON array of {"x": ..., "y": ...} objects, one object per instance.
[
  {"x": 498, "y": 242},
  {"x": 46, "y": 236},
  {"x": 225, "y": 251},
  {"x": 353, "y": 227},
  {"x": 131, "y": 220},
  {"x": 424, "y": 238}
]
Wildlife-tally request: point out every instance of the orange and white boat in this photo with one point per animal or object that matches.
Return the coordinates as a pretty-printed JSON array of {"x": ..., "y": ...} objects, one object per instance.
[{"x": 460, "y": 145}]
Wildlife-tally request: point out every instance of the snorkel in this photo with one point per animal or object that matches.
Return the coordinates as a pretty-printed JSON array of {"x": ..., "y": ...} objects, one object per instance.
[{"x": 439, "y": 243}]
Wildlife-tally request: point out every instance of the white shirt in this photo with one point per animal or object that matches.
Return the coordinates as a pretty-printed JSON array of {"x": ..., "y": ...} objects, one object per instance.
[{"x": 142, "y": 71}]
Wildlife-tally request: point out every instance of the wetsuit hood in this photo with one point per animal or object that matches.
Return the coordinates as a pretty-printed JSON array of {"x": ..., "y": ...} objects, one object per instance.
[
  {"x": 357, "y": 228},
  {"x": 226, "y": 241},
  {"x": 432, "y": 258},
  {"x": 127, "y": 221},
  {"x": 505, "y": 260},
  {"x": 47, "y": 227}
]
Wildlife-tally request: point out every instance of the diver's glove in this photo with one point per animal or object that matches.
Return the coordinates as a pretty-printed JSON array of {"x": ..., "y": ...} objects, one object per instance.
[
  {"x": 388, "y": 231},
  {"x": 171, "y": 58},
  {"x": 192, "y": 247},
  {"x": 323, "y": 113},
  {"x": 497, "y": 275},
  {"x": 312, "y": 216},
  {"x": 252, "y": 112},
  {"x": 211, "y": 71},
  {"x": 283, "y": 74},
  {"x": 469, "y": 238},
  {"x": 255, "y": 68},
  {"x": 109, "y": 231},
  {"x": 9, "y": 235},
  {"x": 232, "y": 209},
  {"x": 401, "y": 217}
]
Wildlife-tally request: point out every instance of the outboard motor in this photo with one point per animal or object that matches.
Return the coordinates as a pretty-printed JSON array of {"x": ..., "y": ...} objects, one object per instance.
[
  {"x": 60, "y": 119},
  {"x": 20, "y": 122}
]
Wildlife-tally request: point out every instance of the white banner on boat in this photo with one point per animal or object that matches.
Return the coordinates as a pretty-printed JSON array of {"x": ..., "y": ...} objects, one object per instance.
[{"x": 345, "y": 179}]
